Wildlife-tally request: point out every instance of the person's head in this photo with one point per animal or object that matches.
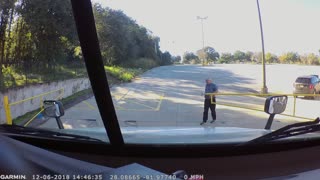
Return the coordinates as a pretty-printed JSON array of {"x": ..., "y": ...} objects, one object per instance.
[{"x": 208, "y": 80}]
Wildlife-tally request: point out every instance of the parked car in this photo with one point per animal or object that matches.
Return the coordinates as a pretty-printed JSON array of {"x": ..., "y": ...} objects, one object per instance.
[{"x": 307, "y": 85}]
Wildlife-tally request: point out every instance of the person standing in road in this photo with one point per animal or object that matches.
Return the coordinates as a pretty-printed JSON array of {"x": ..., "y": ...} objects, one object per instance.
[{"x": 210, "y": 88}]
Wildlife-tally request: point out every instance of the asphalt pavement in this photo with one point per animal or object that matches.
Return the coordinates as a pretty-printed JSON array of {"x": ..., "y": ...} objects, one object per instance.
[{"x": 171, "y": 96}]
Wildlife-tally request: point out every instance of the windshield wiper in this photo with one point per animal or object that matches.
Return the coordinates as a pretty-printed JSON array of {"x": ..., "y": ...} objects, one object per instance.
[
  {"x": 14, "y": 129},
  {"x": 288, "y": 131}
]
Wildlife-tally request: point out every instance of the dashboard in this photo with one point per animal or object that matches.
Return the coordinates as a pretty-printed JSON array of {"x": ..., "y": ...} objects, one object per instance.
[{"x": 34, "y": 156}]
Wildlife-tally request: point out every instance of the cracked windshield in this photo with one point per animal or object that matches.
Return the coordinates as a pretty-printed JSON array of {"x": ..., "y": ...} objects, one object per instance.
[{"x": 177, "y": 68}]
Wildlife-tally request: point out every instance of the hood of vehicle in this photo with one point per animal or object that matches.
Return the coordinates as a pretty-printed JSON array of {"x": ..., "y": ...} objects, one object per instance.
[{"x": 175, "y": 135}]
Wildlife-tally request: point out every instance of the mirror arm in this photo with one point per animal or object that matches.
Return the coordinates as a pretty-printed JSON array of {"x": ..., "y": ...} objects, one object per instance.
[
  {"x": 269, "y": 123},
  {"x": 60, "y": 125}
]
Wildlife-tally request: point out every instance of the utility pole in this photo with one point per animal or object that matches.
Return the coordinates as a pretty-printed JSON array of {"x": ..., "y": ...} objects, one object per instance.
[
  {"x": 264, "y": 89},
  {"x": 202, "y": 18}
]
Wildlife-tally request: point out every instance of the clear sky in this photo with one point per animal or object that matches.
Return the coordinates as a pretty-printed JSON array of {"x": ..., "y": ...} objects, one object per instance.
[{"x": 288, "y": 25}]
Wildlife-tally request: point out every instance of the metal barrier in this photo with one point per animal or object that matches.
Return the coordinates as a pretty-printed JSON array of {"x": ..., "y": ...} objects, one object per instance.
[
  {"x": 262, "y": 95},
  {"x": 7, "y": 105}
]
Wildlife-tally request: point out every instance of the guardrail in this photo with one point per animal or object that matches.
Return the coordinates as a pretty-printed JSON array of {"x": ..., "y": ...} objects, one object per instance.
[
  {"x": 262, "y": 95},
  {"x": 7, "y": 105}
]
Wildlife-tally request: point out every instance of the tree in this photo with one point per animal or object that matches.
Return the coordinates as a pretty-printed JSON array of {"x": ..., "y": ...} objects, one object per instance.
[
  {"x": 249, "y": 56},
  {"x": 257, "y": 57},
  {"x": 39, "y": 36},
  {"x": 226, "y": 58},
  {"x": 304, "y": 59},
  {"x": 190, "y": 58},
  {"x": 51, "y": 25},
  {"x": 166, "y": 58},
  {"x": 293, "y": 57},
  {"x": 289, "y": 57},
  {"x": 122, "y": 39},
  {"x": 6, "y": 16},
  {"x": 313, "y": 59},
  {"x": 271, "y": 58},
  {"x": 239, "y": 56},
  {"x": 7, "y": 9},
  {"x": 283, "y": 58},
  {"x": 208, "y": 54},
  {"x": 176, "y": 59}
]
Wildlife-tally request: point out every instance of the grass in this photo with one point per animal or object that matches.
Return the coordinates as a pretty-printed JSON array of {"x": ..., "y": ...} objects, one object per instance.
[
  {"x": 75, "y": 96},
  {"x": 123, "y": 74},
  {"x": 16, "y": 78},
  {"x": 21, "y": 119}
]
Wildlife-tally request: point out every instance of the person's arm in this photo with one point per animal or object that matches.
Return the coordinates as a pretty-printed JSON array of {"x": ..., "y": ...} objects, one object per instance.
[{"x": 216, "y": 89}]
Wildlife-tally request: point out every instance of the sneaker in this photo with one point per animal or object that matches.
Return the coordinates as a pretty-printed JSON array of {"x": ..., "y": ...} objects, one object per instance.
[
  {"x": 202, "y": 123},
  {"x": 212, "y": 121}
]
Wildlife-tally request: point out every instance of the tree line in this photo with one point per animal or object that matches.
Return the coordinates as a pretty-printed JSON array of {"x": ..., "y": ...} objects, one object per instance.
[
  {"x": 249, "y": 57},
  {"x": 124, "y": 42},
  {"x": 38, "y": 37},
  {"x": 205, "y": 55}
]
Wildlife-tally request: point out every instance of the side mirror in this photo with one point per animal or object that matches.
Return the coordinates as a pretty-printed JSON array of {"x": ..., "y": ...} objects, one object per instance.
[
  {"x": 53, "y": 108},
  {"x": 275, "y": 104}
]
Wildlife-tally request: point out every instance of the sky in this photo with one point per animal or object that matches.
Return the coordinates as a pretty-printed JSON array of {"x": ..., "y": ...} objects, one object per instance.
[{"x": 288, "y": 25}]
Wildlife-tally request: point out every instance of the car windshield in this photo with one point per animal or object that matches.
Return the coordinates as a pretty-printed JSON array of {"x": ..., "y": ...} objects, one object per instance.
[{"x": 177, "y": 71}]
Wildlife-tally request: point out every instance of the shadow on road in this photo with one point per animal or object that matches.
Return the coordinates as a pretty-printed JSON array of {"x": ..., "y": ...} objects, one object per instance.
[{"x": 182, "y": 80}]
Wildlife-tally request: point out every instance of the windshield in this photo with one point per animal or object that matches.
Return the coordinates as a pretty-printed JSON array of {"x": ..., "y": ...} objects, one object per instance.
[{"x": 178, "y": 71}]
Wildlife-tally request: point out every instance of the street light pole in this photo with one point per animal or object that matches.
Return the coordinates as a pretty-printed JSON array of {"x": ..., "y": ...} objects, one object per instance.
[
  {"x": 264, "y": 89},
  {"x": 202, "y": 18}
]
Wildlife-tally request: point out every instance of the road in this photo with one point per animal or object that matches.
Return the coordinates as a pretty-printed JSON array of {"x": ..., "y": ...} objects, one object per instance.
[{"x": 171, "y": 96}]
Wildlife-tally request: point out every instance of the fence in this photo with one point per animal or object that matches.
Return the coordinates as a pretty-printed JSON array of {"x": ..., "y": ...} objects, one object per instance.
[
  {"x": 263, "y": 95},
  {"x": 60, "y": 93}
]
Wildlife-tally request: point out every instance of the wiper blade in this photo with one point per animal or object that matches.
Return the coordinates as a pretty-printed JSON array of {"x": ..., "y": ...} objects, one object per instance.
[
  {"x": 15, "y": 129},
  {"x": 288, "y": 131}
]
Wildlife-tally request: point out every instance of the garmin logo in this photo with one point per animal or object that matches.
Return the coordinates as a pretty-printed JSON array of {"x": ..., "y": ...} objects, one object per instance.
[{"x": 13, "y": 176}]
